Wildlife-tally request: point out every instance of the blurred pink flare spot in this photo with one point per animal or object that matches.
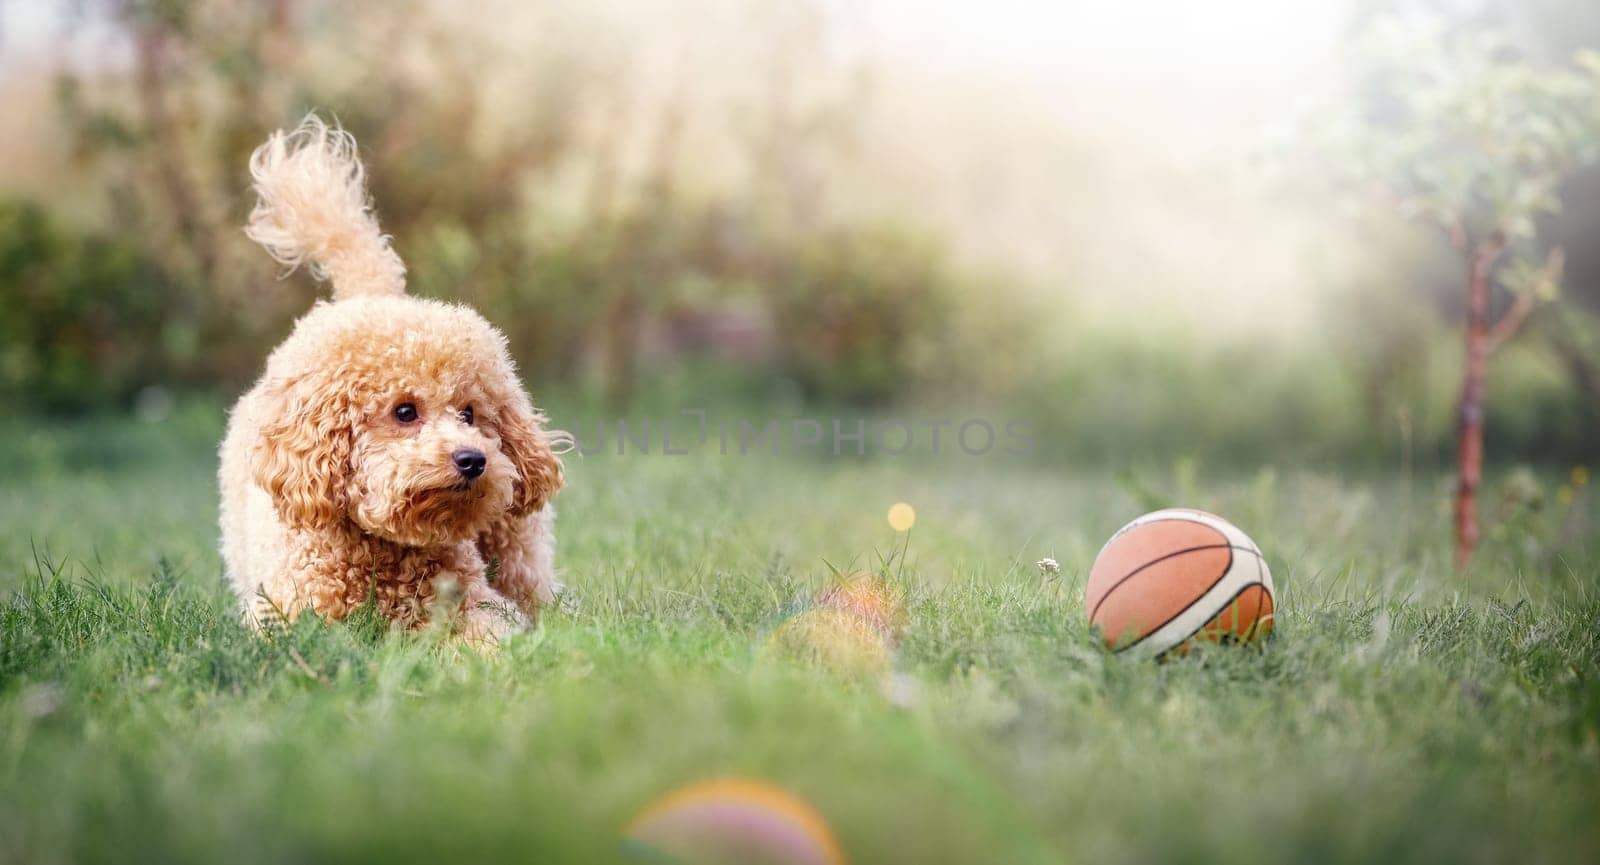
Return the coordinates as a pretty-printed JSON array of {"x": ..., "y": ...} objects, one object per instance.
[{"x": 733, "y": 821}]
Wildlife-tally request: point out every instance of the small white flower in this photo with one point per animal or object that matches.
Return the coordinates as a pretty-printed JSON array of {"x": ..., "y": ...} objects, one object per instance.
[{"x": 1048, "y": 565}]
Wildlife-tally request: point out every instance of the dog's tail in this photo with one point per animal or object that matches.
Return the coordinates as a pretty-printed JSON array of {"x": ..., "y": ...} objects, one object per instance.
[{"x": 313, "y": 209}]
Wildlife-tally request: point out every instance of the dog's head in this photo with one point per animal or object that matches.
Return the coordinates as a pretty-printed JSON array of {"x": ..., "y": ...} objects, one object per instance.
[{"x": 403, "y": 416}]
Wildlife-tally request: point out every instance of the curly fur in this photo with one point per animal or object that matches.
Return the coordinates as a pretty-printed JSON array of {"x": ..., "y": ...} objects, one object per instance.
[
  {"x": 312, "y": 208},
  {"x": 328, "y": 499}
]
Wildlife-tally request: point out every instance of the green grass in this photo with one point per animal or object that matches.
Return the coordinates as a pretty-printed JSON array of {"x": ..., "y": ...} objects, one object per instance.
[{"x": 1402, "y": 713}]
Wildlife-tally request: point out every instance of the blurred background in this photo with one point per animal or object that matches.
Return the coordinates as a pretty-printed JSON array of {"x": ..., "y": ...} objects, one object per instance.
[{"x": 1118, "y": 220}]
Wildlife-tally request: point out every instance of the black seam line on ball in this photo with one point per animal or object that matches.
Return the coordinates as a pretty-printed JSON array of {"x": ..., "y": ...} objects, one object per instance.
[
  {"x": 1213, "y": 616},
  {"x": 1213, "y": 585},
  {"x": 1261, "y": 606},
  {"x": 1219, "y": 612},
  {"x": 1156, "y": 561}
]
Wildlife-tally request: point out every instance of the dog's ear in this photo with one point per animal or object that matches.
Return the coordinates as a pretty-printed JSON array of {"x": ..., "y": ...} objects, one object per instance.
[
  {"x": 525, "y": 441},
  {"x": 302, "y": 457}
]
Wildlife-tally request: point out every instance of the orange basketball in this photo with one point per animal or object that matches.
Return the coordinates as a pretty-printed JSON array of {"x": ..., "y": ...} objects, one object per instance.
[{"x": 1176, "y": 575}]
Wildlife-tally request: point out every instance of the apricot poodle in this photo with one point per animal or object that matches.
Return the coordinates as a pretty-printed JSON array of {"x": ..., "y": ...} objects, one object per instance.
[{"x": 389, "y": 452}]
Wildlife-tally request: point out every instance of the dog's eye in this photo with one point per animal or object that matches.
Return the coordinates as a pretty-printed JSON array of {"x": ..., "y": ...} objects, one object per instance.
[
  {"x": 466, "y": 415},
  {"x": 405, "y": 412}
]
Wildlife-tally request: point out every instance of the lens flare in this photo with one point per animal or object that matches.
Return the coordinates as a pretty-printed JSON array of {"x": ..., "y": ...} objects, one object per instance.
[
  {"x": 732, "y": 821},
  {"x": 869, "y": 599},
  {"x": 834, "y": 640},
  {"x": 852, "y": 628},
  {"x": 902, "y": 517}
]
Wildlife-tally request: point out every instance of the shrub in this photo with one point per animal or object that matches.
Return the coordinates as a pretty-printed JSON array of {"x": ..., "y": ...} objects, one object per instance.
[
  {"x": 86, "y": 319},
  {"x": 863, "y": 315}
]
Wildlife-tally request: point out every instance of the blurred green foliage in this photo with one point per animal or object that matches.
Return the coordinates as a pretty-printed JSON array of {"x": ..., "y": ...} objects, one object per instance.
[
  {"x": 858, "y": 313},
  {"x": 1446, "y": 123},
  {"x": 1132, "y": 391},
  {"x": 1454, "y": 128},
  {"x": 873, "y": 314},
  {"x": 625, "y": 233},
  {"x": 601, "y": 248},
  {"x": 87, "y": 319}
]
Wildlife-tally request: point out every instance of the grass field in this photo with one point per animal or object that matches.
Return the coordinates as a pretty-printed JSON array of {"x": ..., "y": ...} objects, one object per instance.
[{"x": 1401, "y": 714}]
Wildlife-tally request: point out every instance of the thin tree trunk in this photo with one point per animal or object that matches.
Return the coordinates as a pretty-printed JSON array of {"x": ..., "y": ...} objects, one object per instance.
[{"x": 1469, "y": 432}]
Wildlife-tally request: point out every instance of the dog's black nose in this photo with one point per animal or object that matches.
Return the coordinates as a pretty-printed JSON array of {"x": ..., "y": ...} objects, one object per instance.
[{"x": 469, "y": 462}]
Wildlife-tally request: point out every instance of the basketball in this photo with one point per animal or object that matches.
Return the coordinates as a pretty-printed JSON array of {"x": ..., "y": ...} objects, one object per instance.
[{"x": 1178, "y": 575}]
